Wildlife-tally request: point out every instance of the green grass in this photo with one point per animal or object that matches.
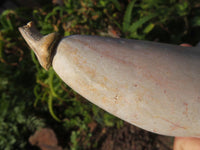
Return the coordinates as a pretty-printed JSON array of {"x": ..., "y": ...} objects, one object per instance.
[{"x": 32, "y": 97}]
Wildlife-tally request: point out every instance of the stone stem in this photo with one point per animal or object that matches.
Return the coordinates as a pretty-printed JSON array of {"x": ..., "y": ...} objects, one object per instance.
[{"x": 43, "y": 46}]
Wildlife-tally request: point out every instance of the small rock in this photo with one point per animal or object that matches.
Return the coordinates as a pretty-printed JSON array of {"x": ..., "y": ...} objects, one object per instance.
[{"x": 45, "y": 139}]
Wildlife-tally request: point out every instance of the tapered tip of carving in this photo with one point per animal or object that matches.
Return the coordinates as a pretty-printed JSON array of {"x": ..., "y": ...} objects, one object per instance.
[{"x": 43, "y": 46}]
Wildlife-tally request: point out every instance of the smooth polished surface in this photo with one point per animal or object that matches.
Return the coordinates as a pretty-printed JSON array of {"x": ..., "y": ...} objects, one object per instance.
[{"x": 151, "y": 85}]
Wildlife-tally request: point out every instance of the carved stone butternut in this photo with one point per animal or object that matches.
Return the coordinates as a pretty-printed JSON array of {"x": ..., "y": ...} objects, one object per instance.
[{"x": 151, "y": 85}]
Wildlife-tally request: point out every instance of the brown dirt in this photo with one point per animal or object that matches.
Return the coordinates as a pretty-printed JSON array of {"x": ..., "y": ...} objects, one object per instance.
[{"x": 130, "y": 137}]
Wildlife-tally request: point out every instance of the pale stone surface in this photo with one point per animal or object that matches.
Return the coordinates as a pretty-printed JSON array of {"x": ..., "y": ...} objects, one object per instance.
[{"x": 151, "y": 85}]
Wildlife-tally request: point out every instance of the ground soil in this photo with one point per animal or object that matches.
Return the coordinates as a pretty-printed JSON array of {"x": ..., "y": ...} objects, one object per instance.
[
  {"x": 127, "y": 137},
  {"x": 130, "y": 137}
]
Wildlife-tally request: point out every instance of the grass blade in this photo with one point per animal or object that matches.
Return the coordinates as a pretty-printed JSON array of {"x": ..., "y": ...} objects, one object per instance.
[
  {"x": 50, "y": 106},
  {"x": 127, "y": 16},
  {"x": 140, "y": 22}
]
